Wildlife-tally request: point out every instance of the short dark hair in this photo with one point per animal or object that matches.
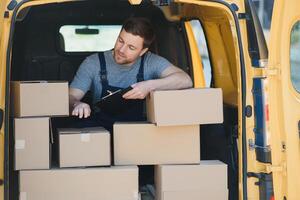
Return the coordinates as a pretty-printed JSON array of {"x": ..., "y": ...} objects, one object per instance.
[{"x": 142, "y": 27}]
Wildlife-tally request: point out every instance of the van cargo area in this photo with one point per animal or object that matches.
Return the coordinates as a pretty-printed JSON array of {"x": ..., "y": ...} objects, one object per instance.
[{"x": 39, "y": 54}]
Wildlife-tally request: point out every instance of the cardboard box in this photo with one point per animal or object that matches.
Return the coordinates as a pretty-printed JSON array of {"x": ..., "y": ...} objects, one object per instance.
[
  {"x": 147, "y": 144},
  {"x": 84, "y": 147},
  {"x": 109, "y": 183},
  {"x": 34, "y": 98},
  {"x": 185, "y": 107},
  {"x": 207, "y": 180},
  {"x": 32, "y": 144},
  {"x": 196, "y": 195}
]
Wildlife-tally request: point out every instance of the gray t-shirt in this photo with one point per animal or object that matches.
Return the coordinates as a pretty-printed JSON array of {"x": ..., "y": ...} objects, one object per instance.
[{"x": 87, "y": 77}]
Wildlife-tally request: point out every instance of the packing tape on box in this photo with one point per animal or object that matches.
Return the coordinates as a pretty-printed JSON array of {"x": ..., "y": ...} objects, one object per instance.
[
  {"x": 85, "y": 137},
  {"x": 20, "y": 144},
  {"x": 23, "y": 195}
]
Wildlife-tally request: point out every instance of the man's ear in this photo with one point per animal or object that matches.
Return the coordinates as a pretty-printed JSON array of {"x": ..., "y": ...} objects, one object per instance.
[{"x": 144, "y": 51}]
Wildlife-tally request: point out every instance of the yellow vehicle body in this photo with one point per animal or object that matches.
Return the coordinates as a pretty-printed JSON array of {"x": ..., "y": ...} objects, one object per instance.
[{"x": 233, "y": 71}]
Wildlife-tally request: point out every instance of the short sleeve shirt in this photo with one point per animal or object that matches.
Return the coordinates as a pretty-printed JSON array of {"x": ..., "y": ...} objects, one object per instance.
[{"x": 87, "y": 76}]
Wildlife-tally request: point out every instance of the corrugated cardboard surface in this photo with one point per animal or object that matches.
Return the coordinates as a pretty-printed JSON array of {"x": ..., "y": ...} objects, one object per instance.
[
  {"x": 32, "y": 143},
  {"x": 147, "y": 144},
  {"x": 84, "y": 147},
  {"x": 196, "y": 195},
  {"x": 206, "y": 177},
  {"x": 113, "y": 183},
  {"x": 39, "y": 98},
  {"x": 185, "y": 107}
]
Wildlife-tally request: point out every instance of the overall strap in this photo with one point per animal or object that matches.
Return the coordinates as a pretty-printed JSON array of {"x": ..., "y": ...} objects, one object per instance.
[
  {"x": 140, "y": 75},
  {"x": 103, "y": 72}
]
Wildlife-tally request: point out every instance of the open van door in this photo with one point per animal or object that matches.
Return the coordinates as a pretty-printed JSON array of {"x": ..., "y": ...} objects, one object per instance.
[
  {"x": 5, "y": 7},
  {"x": 283, "y": 75}
]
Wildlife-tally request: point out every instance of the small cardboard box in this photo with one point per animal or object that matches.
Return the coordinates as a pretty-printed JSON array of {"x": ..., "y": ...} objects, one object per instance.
[
  {"x": 147, "y": 144},
  {"x": 35, "y": 98},
  {"x": 110, "y": 183},
  {"x": 84, "y": 147},
  {"x": 32, "y": 143},
  {"x": 207, "y": 180},
  {"x": 185, "y": 107}
]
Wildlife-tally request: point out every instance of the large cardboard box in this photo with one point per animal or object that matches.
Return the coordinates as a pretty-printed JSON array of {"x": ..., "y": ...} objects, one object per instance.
[
  {"x": 32, "y": 143},
  {"x": 185, "y": 107},
  {"x": 35, "y": 98},
  {"x": 147, "y": 144},
  {"x": 208, "y": 180},
  {"x": 113, "y": 183},
  {"x": 84, "y": 147}
]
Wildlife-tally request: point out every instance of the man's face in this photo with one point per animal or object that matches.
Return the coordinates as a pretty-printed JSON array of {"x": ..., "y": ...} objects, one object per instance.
[{"x": 128, "y": 48}]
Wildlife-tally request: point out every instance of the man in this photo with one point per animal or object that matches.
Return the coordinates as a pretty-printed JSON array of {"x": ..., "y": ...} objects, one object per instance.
[{"x": 128, "y": 64}]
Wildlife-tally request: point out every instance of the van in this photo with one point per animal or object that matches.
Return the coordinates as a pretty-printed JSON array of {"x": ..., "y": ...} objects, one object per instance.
[{"x": 259, "y": 138}]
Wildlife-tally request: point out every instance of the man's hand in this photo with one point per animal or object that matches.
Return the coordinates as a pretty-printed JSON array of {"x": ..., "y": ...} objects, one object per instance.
[
  {"x": 140, "y": 90},
  {"x": 81, "y": 109}
]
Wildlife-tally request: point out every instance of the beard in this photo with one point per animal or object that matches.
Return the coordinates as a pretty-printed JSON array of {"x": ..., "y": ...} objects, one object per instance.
[{"x": 121, "y": 59}]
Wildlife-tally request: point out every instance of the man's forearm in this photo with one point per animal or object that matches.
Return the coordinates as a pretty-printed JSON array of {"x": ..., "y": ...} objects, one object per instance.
[
  {"x": 177, "y": 80},
  {"x": 168, "y": 81},
  {"x": 75, "y": 95}
]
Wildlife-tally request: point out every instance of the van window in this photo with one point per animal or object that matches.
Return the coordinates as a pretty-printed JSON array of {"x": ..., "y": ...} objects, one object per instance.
[
  {"x": 295, "y": 56},
  {"x": 88, "y": 38},
  {"x": 203, "y": 50}
]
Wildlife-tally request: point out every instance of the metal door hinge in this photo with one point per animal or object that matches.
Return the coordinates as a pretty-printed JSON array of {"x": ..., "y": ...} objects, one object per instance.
[
  {"x": 272, "y": 71},
  {"x": 274, "y": 168},
  {"x": 266, "y": 72}
]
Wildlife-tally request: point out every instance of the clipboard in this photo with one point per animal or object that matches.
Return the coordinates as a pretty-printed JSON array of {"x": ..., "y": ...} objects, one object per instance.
[{"x": 114, "y": 103}]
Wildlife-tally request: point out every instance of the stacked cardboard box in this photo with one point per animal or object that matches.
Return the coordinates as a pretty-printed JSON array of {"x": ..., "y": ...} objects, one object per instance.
[
  {"x": 208, "y": 180},
  {"x": 32, "y": 143},
  {"x": 185, "y": 107},
  {"x": 171, "y": 136},
  {"x": 39, "y": 98},
  {"x": 33, "y": 103},
  {"x": 147, "y": 144},
  {"x": 111, "y": 183},
  {"x": 83, "y": 147}
]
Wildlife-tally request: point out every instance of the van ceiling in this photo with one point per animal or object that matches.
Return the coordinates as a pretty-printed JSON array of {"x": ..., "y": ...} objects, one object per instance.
[
  {"x": 103, "y": 11},
  {"x": 36, "y": 53}
]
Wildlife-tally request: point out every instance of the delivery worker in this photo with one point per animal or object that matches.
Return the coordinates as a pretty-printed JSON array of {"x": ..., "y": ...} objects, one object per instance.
[{"x": 128, "y": 64}]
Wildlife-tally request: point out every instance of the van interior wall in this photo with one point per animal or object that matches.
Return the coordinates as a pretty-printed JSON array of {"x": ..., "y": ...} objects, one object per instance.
[
  {"x": 218, "y": 26},
  {"x": 219, "y": 141}
]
